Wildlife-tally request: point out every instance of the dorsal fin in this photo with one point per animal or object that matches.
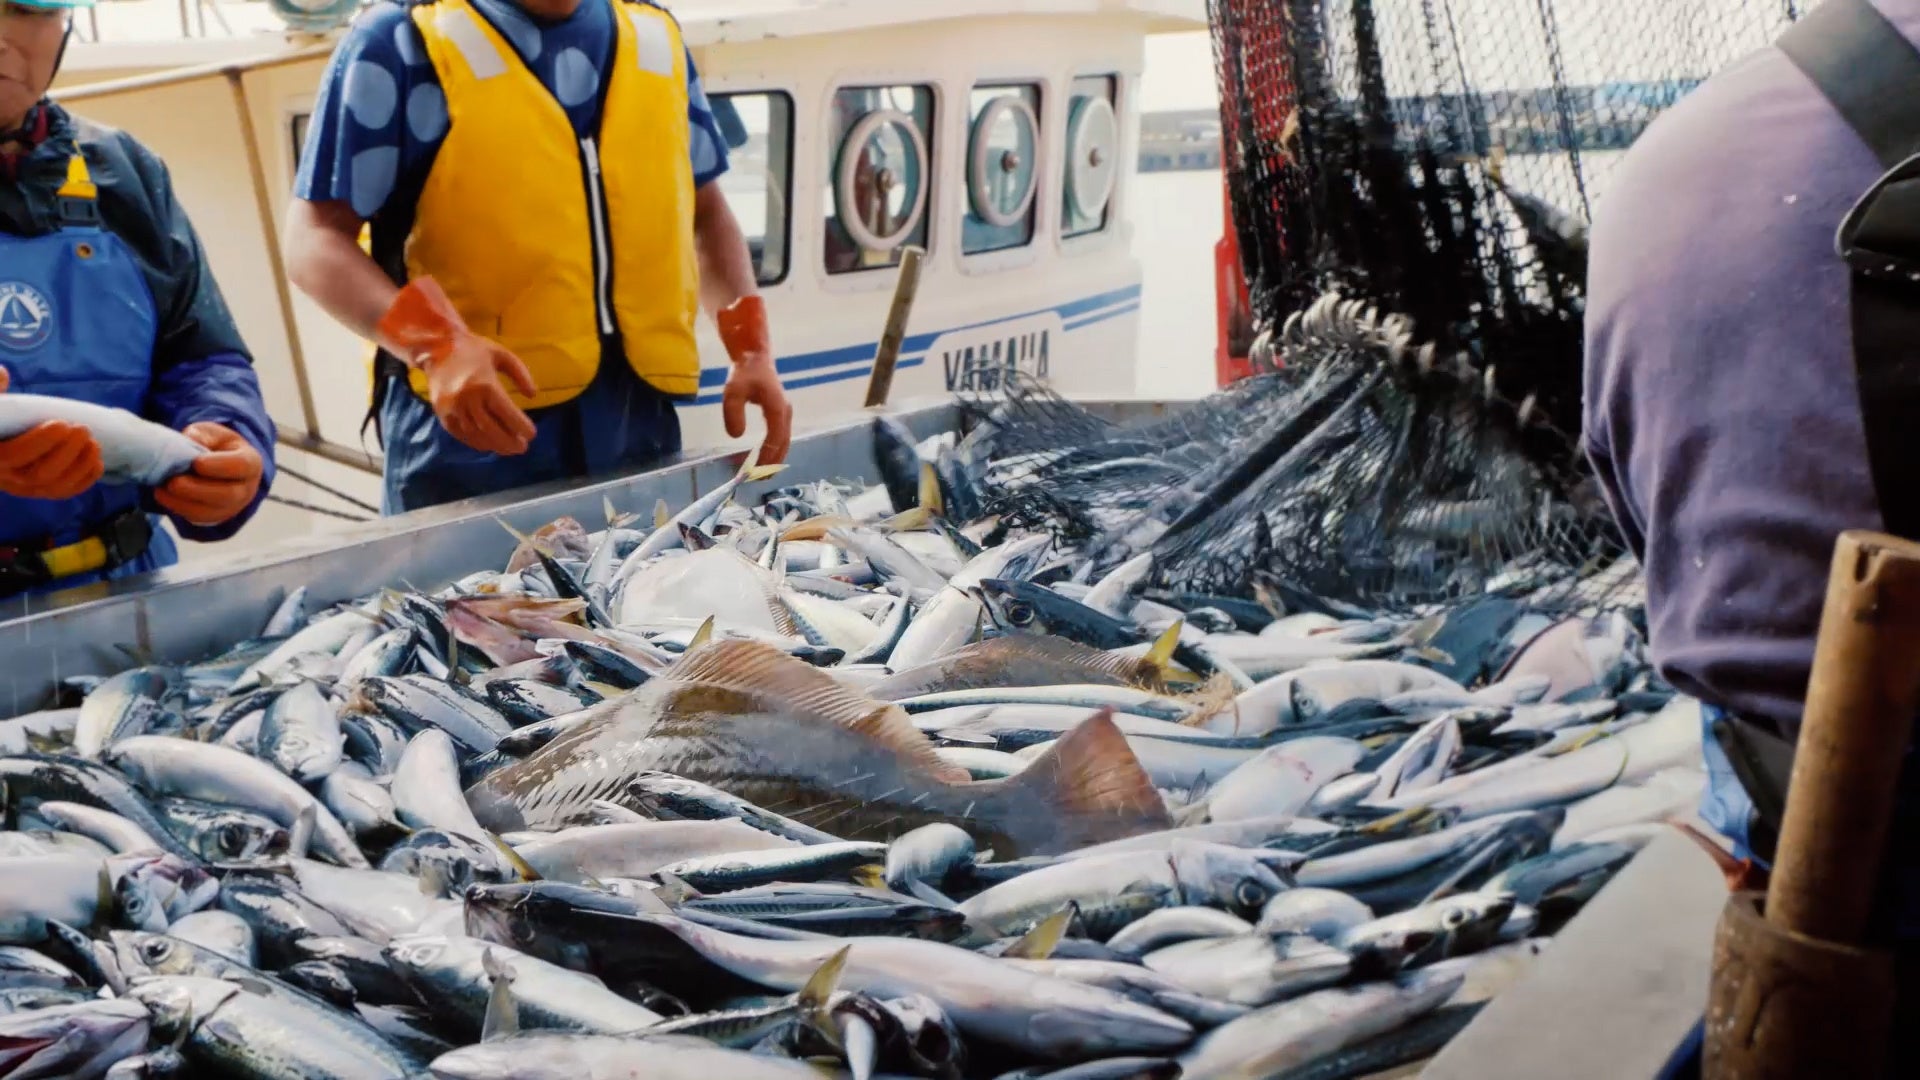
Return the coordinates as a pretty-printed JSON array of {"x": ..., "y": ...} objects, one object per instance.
[
  {"x": 805, "y": 693},
  {"x": 1094, "y": 785}
]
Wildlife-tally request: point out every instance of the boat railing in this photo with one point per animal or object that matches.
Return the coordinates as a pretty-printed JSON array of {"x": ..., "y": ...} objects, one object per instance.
[
  {"x": 146, "y": 20},
  {"x": 307, "y": 436}
]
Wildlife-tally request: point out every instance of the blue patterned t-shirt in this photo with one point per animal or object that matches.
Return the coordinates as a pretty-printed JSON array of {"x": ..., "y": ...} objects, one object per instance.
[{"x": 381, "y": 114}]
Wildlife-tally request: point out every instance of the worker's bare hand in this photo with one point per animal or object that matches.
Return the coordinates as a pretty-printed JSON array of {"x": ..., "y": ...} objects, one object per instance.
[
  {"x": 754, "y": 380},
  {"x": 470, "y": 400},
  {"x": 223, "y": 481}
]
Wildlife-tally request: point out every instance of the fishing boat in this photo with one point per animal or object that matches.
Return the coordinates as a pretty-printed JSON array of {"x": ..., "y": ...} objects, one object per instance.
[{"x": 998, "y": 136}]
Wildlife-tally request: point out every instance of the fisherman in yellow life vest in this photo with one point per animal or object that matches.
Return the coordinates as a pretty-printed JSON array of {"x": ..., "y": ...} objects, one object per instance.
[{"x": 539, "y": 177}]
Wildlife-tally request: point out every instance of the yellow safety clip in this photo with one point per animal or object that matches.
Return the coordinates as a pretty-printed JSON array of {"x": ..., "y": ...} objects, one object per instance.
[
  {"x": 82, "y": 557},
  {"x": 79, "y": 183}
]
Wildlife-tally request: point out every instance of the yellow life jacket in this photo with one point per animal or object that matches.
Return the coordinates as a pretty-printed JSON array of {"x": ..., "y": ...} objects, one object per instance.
[{"x": 546, "y": 242}]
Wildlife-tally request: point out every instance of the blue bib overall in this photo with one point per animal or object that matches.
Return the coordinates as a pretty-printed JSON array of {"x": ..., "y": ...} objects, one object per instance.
[{"x": 77, "y": 320}]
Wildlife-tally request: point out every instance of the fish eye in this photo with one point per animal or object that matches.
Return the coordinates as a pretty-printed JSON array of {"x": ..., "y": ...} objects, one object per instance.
[
  {"x": 1250, "y": 894},
  {"x": 423, "y": 954},
  {"x": 156, "y": 950},
  {"x": 232, "y": 839},
  {"x": 1454, "y": 919},
  {"x": 1020, "y": 614}
]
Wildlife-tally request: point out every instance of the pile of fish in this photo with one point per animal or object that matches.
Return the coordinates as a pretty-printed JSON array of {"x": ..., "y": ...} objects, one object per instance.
[{"x": 820, "y": 784}]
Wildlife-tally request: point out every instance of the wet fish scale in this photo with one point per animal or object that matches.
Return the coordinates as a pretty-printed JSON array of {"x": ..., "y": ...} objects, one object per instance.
[
  {"x": 771, "y": 730},
  {"x": 785, "y": 754}
]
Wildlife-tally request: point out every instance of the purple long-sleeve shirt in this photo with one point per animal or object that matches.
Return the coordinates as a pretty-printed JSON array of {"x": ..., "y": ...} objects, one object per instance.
[{"x": 1721, "y": 408}]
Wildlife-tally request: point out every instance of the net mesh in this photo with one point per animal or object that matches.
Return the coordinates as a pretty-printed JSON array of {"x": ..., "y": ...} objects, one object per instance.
[
  {"x": 1410, "y": 182},
  {"x": 1367, "y": 472},
  {"x": 1440, "y": 158}
]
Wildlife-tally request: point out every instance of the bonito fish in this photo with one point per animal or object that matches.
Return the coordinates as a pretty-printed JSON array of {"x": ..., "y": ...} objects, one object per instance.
[{"x": 786, "y": 787}]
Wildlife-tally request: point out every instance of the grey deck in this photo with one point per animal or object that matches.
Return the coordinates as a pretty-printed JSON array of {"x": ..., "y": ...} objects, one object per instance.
[{"x": 1618, "y": 989}]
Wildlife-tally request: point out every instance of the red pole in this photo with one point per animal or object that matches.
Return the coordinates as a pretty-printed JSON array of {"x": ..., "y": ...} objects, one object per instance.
[{"x": 1233, "y": 310}]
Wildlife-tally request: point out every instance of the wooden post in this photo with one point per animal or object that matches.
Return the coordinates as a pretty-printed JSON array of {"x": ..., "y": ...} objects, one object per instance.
[
  {"x": 1861, "y": 702},
  {"x": 880, "y": 385},
  {"x": 1798, "y": 990}
]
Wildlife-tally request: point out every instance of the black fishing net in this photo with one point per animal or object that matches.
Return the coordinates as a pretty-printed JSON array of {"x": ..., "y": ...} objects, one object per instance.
[
  {"x": 1441, "y": 158},
  {"x": 1368, "y": 471},
  {"x": 1410, "y": 182}
]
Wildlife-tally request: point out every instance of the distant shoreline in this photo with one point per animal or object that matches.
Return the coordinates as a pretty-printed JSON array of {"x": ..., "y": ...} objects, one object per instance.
[{"x": 1179, "y": 140}]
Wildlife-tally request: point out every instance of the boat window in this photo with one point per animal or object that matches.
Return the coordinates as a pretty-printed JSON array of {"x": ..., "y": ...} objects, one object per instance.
[
  {"x": 297, "y": 128},
  {"x": 758, "y": 183},
  {"x": 878, "y": 176},
  {"x": 1003, "y": 144},
  {"x": 1093, "y": 155}
]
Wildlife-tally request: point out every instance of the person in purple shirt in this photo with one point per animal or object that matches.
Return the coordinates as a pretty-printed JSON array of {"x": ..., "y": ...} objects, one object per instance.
[{"x": 1723, "y": 416}]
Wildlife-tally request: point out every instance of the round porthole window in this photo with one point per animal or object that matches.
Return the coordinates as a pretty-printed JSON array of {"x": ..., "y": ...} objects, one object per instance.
[
  {"x": 1002, "y": 172},
  {"x": 880, "y": 180},
  {"x": 1092, "y": 156}
]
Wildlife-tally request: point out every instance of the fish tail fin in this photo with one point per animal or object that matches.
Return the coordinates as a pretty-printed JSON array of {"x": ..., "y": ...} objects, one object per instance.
[
  {"x": 503, "y": 1015},
  {"x": 1159, "y": 658},
  {"x": 825, "y": 980},
  {"x": 106, "y": 897},
  {"x": 930, "y": 497},
  {"x": 1039, "y": 942},
  {"x": 1093, "y": 786},
  {"x": 513, "y": 858},
  {"x": 661, "y": 515},
  {"x": 300, "y": 835},
  {"x": 676, "y": 890},
  {"x": 524, "y": 539},
  {"x": 914, "y": 520}
]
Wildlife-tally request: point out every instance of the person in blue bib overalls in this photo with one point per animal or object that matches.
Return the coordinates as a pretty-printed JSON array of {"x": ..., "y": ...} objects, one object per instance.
[
  {"x": 540, "y": 181},
  {"x": 106, "y": 297}
]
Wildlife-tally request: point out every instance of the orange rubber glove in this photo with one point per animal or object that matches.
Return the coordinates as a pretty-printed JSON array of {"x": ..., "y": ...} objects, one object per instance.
[
  {"x": 463, "y": 370},
  {"x": 743, "y": 330},
  {"x": 223, "y": 482},
  {"x": 52, "y": 460}
]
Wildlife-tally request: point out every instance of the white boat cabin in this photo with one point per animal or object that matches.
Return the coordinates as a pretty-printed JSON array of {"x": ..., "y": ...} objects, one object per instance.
[{"x": 1000, "y": 136}]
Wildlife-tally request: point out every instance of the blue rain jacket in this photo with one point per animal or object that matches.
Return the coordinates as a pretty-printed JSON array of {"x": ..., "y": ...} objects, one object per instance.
[{"x": 114, "y": 303}]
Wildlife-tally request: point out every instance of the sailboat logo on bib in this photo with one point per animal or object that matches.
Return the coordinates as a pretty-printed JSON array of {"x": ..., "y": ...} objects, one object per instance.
[{"x": 26, "y": 317}]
